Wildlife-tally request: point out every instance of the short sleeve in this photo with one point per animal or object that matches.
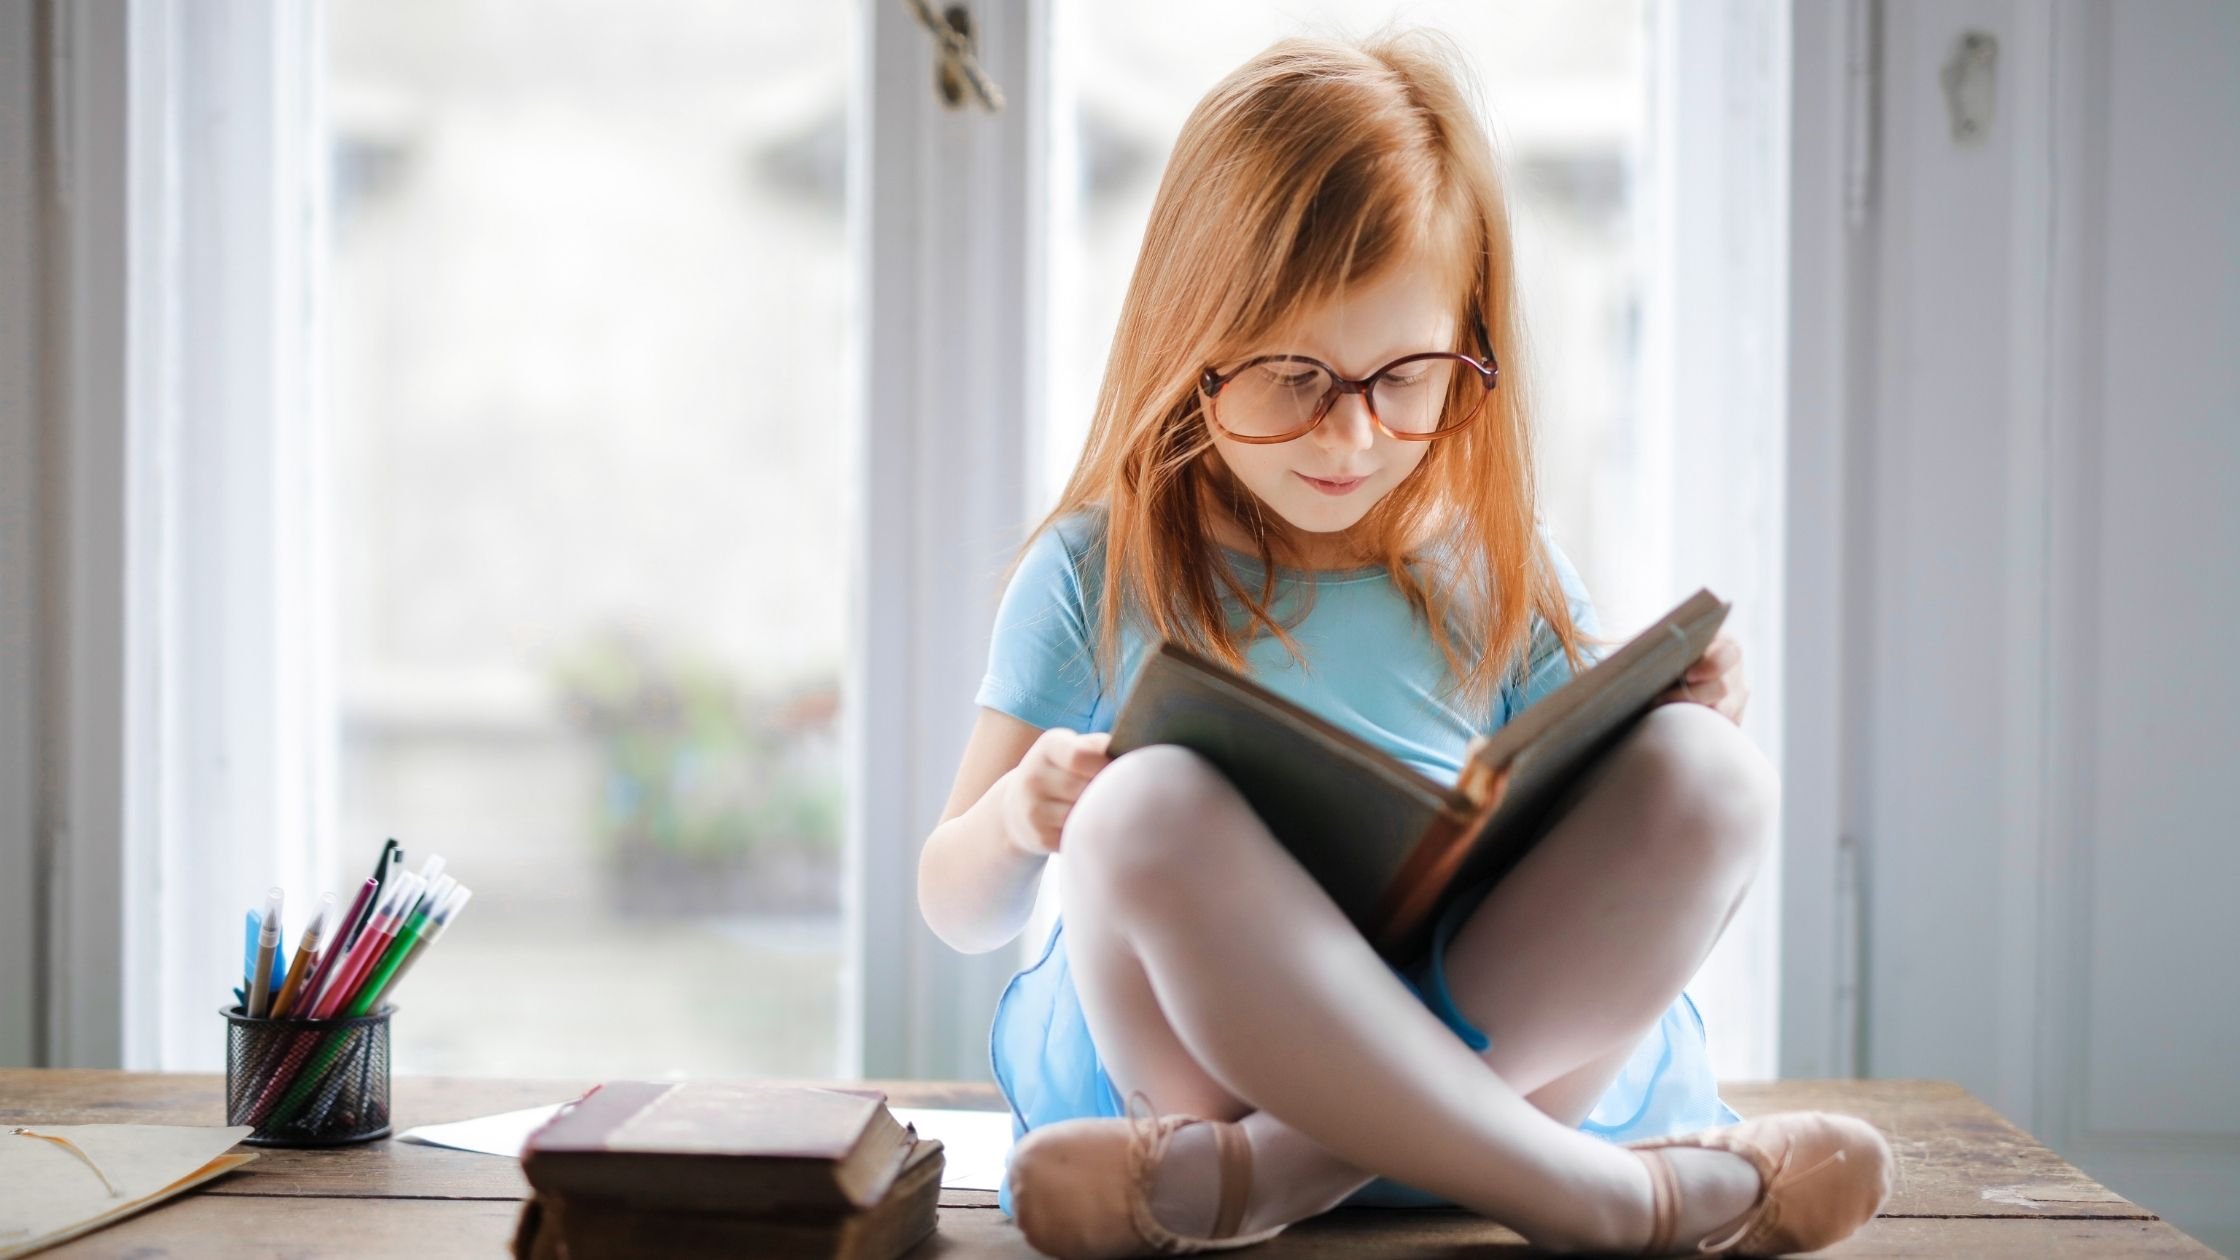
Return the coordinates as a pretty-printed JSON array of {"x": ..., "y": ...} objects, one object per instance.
[
  {"x": 1547, "y": 667},
  {"x": 1041, "y": 667}
]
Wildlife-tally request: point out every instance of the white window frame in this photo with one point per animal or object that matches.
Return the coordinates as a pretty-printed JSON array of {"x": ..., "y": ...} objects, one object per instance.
[
  {"x": 183, "y": 600},
  {"x": 952, "y": 314},
  {"x": 1713, "y": 354},
  {"x": 180, "y": 706},
  {"x": 1829, "y": 186}
]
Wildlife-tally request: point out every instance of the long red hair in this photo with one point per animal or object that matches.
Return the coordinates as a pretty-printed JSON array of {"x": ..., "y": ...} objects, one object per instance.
[{"x": 1312, "y": 167}]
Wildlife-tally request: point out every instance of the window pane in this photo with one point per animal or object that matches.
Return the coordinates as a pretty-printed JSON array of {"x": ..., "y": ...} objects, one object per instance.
[
  {"x": 1564, "y": 87},
  {"x": 585, "y": 345}
]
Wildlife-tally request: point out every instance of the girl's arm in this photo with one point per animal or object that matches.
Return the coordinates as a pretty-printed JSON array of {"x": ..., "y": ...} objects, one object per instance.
[{"x": 978, "y": 871}]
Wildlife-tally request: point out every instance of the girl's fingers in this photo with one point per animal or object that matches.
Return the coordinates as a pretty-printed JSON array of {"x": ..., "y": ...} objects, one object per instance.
[
  {"x": 1713, "y": 694},
  {"x": 1062, "y": 780},
  {"x": 1071, "y": 753},
  {"x": 1723, "y": 656},
  {"x": 1058, "y": 783},
  {"x": 1714, "y": 681}
]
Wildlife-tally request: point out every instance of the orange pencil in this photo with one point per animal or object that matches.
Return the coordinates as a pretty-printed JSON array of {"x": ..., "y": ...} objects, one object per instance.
[{"x": 306, "y": 947}]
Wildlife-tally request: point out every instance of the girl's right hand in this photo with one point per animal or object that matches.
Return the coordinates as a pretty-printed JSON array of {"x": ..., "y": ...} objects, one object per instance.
[{"x": 1057, "y": 766}]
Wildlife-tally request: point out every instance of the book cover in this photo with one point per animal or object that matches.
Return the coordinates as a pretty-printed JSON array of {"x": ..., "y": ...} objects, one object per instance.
[
  {"x": 1387, "y": 842},
  {"x": 722, "y": 1146},
  {"x": 569, "y": 1227}
]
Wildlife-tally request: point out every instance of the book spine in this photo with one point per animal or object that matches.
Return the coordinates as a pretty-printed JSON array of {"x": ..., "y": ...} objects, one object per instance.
[
  {"x": 1477, "y": 778},
  {"x": 1421, "y": 882}
]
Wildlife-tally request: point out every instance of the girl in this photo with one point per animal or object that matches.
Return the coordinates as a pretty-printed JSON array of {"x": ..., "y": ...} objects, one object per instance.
[{"x": 1311, "y": 457}]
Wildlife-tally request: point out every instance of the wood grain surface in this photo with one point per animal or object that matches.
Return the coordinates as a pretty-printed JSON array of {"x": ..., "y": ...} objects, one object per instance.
[{"x": 1969, "y": 1183}]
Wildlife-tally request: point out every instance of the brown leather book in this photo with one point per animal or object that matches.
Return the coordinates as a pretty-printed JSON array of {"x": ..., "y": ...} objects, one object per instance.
[
  {"x": 721, "y": 1146},
  {"x": 566, "y": 1227},
  {"x": 1389, "y": 843}
]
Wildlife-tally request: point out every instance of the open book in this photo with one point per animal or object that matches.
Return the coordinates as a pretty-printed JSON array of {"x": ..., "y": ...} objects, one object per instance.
[
  {"x": 58, "y": 1181},
  {"x": 1387, "y": 842}
]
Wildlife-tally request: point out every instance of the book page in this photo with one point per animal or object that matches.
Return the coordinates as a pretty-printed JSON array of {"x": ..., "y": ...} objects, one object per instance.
[{"x": 63, "y": 1179}]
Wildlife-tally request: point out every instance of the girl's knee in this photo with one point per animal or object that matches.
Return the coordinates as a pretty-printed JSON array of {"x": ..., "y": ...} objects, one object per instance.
[
  {"x": 1717, "y": 794},
  {"x": 1146, "y": 811}
]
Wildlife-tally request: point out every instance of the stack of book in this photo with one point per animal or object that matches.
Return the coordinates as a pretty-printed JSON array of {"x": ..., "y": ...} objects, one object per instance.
[{"x": 708, "y": 1168}]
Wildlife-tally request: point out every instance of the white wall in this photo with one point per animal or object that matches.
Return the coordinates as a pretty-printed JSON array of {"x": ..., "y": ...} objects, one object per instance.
[{"x": 2048, "y": 453}]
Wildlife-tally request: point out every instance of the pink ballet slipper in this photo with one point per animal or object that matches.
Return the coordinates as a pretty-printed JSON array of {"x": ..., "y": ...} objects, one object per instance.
[
  {"x": 1081, "y": 1189},
  {"x": 1822, "y": 1176}
]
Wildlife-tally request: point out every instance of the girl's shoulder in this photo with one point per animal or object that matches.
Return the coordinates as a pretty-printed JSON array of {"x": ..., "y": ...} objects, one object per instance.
[
  {"x": 1062, "y": 564},
  {"x": 1041, "y": 668},
  {"x": 1076, "y": 538},
  {"x": 1080, "y": 533}
]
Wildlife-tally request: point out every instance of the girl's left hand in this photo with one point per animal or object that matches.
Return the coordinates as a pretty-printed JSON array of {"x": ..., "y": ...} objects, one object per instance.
[{"x": 1715, "y": 679}]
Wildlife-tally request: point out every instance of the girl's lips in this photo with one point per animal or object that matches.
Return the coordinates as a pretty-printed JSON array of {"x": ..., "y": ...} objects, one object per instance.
[{"x": 1333, "y": 487}]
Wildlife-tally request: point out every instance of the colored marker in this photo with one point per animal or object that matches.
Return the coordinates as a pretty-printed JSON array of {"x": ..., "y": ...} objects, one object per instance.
[
  {"x": 392, "y": 853},
  {"x": 307, "y": 949},
  {"x": 444, "y": 915},
  {"x": 338, "y": 944},
  {"x": 415, "y": 933},
  {"x": 380, "y": 930},
  {"x": 268, "y": 947}
]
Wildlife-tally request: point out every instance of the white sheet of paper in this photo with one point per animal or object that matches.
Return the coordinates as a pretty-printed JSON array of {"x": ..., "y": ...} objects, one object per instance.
[
  {"x": 501, "y": 1134},
  {"x": 974, "y": 1144}
]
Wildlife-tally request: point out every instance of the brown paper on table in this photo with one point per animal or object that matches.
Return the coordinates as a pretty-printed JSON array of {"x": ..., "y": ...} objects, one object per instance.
[{"x": 64, "y": 1180}]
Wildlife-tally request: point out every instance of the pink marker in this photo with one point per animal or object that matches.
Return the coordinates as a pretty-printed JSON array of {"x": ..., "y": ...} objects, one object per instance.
[
  {"x": 307, "y": 1001},
  {"x": 380, "y": 929}
]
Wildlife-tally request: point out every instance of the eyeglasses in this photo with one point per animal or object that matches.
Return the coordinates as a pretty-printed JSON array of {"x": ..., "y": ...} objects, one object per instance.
[{"x": 1415, "y": 398}]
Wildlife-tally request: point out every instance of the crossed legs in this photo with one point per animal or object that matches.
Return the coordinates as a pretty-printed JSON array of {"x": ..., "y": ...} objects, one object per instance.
[{"x": 1219, "y": 979}]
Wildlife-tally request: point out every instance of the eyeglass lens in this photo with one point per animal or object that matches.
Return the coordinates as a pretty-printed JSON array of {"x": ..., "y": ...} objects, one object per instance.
[{"x": 1273, "y": 399}]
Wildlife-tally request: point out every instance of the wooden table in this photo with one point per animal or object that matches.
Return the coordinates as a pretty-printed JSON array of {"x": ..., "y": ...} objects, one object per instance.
[{"x": 1969, "y": 1183}]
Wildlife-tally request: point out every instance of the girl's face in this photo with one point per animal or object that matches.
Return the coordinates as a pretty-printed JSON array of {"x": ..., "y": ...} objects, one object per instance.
[{"x": 1325, "y": 481}]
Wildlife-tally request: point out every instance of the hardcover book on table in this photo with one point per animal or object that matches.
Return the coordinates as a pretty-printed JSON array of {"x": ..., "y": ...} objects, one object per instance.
[
  {"x": 1387, "y": 842},
  {"x": 723, "y": 1147},
  {"x": 578, "y": 1227}
]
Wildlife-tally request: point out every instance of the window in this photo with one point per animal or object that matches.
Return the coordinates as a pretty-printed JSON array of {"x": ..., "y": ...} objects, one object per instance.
[
  {"x": 595, "y": 303},
  {"x": 585, "y": 341}
]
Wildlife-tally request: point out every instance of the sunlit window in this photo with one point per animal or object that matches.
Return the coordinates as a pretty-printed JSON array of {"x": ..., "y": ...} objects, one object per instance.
[{"x": 584, "y": 340}]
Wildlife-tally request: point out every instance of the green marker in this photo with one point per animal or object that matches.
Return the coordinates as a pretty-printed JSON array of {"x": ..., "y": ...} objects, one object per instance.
[
  {"x": 444, "y": 913},
  {"x": 407, "y": 937}
]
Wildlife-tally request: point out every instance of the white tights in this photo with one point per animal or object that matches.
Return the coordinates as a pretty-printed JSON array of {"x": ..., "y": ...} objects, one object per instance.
[{"x": 1219, "y": 979}]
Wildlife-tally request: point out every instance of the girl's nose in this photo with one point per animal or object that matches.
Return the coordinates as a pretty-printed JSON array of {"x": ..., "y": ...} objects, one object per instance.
[{"x": 1348, "y": 426}]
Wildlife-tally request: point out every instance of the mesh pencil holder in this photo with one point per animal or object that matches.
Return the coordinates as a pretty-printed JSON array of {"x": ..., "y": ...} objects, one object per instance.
[{"x": 308, "y": 1082}]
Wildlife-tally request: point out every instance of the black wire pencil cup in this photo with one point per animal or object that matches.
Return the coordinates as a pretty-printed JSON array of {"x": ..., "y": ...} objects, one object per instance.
[{"x": 307, "y": 1051}]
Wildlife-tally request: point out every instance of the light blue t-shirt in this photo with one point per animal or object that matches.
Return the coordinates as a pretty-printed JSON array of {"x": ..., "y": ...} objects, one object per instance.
[{"x": 1371, "y": 666}]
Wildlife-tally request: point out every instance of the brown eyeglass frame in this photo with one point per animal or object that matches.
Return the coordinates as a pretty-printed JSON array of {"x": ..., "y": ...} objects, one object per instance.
[{"x": 1211, "y": 381}]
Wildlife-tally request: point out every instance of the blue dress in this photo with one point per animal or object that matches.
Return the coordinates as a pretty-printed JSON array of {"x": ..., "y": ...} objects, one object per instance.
[{"x": 1370, "y": 668}]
